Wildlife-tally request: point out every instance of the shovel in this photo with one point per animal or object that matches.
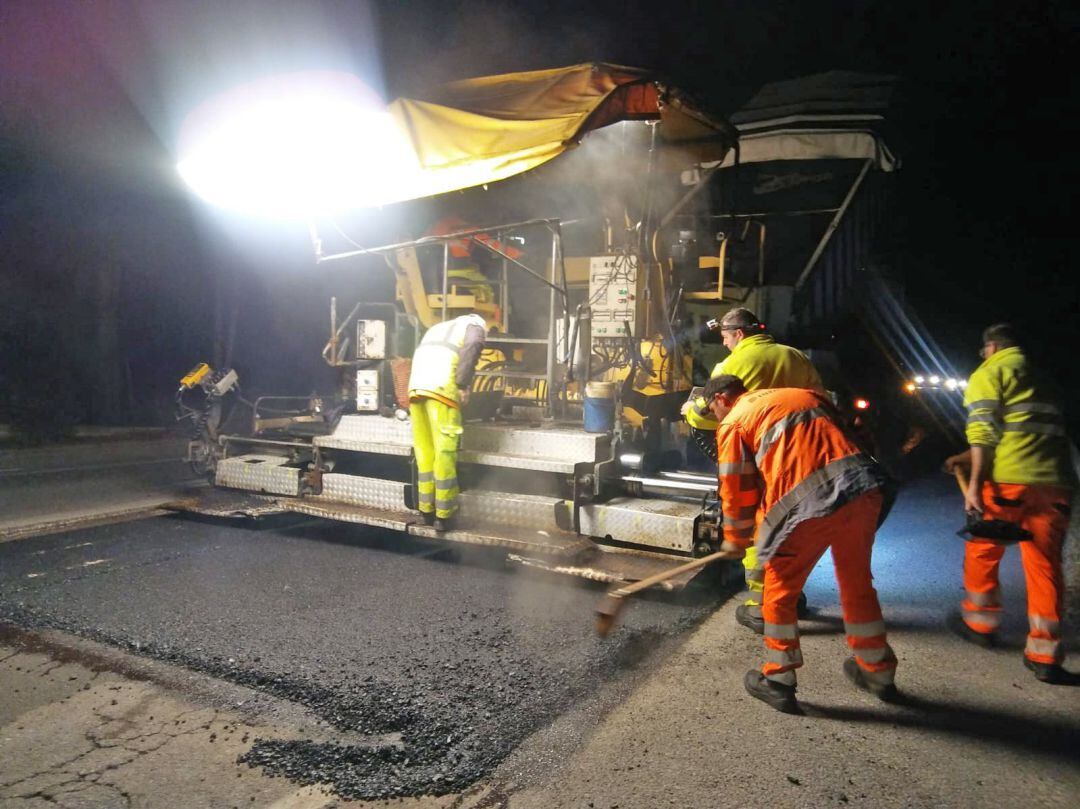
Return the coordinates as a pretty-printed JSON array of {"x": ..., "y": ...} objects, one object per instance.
[{"x": 1002, "y": 532}]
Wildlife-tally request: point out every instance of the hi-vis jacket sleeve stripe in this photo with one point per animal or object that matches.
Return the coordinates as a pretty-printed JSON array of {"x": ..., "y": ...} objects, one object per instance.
[
  {"x": 740, "y": 488},
  {"x": 984, "y": 417}
]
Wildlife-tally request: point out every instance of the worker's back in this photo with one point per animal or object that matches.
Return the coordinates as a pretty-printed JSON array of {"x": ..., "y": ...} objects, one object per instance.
[
  {"x": 760, "y": 362},
  {"x": 1010, "y": 409},
  {"x": 435, "y": 363},
  {"x": 791, "y": 434}
]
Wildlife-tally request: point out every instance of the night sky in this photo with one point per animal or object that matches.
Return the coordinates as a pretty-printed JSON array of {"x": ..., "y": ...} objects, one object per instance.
[{"x": 92, "y": 95}]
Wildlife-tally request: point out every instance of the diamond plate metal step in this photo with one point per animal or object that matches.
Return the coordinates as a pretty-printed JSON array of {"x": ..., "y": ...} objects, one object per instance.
[
  {"x": 255, "y": 472},
  {"x": 667, "y": 524},
  {"x": 535, "y": 447},
  {"x": 357, "y": 490}
]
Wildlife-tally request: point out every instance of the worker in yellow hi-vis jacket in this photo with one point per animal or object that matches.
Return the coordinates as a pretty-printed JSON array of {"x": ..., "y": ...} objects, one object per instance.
[
  {"x": 439, "y": 383},
  {"x": 1020, "y": 473},
  {"x": 760, "y": 362}
]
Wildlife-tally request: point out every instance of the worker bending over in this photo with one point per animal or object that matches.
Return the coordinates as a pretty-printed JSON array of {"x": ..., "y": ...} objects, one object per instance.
[
  {"x": 1020, "y": 473},
  {"x": 439, "y": 383},
  {"x": 789, "y": 473},
  {"x": 761, "y": 362}
]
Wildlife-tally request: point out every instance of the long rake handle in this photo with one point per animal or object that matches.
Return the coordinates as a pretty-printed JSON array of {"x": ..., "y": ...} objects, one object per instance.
[{"x": 615, "y": 600}]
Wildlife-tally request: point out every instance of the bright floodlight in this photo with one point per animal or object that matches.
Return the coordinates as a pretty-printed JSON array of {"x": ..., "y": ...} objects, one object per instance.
[
  {"x": 919, "y": 380},
  {"x": 935, "y": 379},
  {"x": 294, "y": 147},
  {"x": 950, "y": 383}
]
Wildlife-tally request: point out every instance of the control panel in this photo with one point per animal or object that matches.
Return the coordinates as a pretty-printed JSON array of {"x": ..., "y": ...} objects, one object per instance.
[
  {"x": 613, "y": 294},
  {"x": 367, "y": 390}
]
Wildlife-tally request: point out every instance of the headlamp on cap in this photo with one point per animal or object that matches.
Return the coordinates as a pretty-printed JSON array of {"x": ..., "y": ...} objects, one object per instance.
[{"x": 717, "y": 325}]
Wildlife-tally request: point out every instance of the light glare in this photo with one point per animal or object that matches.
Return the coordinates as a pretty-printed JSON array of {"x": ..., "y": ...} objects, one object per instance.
[{"x": 298, "y": 147}]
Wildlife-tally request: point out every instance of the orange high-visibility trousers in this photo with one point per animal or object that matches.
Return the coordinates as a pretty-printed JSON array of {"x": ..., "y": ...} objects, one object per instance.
[
  {"x": 849, "y": 531},
  {"x": 1044, "y": 511}
]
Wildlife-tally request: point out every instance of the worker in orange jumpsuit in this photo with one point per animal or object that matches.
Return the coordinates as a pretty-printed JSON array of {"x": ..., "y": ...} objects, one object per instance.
[
  {"x": 464, "y": 265},
  {"x": 789, "y": 475},
  {"x": 1020, "y": 473}
]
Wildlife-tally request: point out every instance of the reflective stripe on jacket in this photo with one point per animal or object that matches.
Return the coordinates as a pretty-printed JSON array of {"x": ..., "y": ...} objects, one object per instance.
[
  {"x": 760, "y": 362},
  {"x": 784, "y": 460},
  {"x": 1009, "y": 411},
  {"x": 435, "y": 364}
]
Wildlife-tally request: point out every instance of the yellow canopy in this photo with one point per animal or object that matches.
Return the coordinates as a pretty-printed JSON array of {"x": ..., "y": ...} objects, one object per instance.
[{"x": 477, "y": 131}]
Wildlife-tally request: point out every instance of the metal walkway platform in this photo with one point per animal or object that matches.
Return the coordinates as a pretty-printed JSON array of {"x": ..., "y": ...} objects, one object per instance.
[{"x": 537, "y": 448}]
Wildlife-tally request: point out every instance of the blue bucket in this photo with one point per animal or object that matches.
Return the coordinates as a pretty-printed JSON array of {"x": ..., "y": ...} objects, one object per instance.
[{"x": 599, "y": 407}]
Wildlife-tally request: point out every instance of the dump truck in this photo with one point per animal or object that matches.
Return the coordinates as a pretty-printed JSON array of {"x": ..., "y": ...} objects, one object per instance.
[{"x": 641, "y": 215}]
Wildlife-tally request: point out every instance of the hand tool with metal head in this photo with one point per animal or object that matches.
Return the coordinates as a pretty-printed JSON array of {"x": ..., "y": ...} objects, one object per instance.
[
  {"x": 608, "y": 611},
  {"x": 1001, "y": 531}
]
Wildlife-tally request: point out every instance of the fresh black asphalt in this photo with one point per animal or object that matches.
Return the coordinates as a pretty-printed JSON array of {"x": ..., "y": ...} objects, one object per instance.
[{"x": 436, "y": 661}]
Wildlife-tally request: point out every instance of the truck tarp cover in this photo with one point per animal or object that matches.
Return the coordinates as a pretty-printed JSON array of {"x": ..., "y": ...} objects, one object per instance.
[
  {"x": 835, "y": 115},
  {"x": 477, "y": 131}
]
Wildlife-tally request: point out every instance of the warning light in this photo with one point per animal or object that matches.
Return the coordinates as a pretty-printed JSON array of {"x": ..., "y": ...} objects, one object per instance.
[
  {"x": 862, "y": 404},
  {"x": 910, "y": 387}
]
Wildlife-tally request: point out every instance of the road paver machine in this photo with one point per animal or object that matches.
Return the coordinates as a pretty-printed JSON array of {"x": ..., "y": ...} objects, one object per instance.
[{"x": 637, "y": 223}]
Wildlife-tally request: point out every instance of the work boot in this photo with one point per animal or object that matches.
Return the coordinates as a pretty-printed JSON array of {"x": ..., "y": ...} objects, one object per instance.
[
  {"x": 777, "y": 695},
  {"x": 956, "y": 624},
  {"x": 429, "y": 517},
  {"x": 801, "y": 608},
  {"x": 443, "y": 524},
  {"x": 886, "y": 692},
  {"x": 755, "y": 623},
  {"x": 1052, "y": 673}
]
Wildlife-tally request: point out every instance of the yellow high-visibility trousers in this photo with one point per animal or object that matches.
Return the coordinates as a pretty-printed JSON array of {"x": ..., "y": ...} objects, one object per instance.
[
  {"x": 436, "y": 430},
  {"x": 755, "y": 580}
]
